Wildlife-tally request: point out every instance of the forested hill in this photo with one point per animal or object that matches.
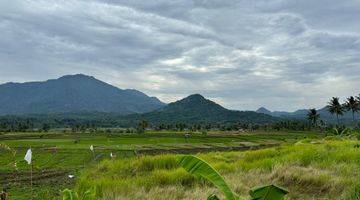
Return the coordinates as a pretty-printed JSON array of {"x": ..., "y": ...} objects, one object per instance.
[
  {"x": 196, "y": 109},
  {"x": 71, "y": 94}
]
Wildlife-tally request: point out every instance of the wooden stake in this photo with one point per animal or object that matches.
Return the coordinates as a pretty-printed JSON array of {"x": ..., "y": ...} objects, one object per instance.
[{"x": 31, "y": 179}]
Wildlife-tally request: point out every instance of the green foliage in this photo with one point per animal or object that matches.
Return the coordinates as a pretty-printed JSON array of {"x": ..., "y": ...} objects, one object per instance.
[
  {"x": 313, "y": 116},
  {"x": 335, "y": 107},
  {"x": 201, "y": 168},
  {"x": 352, "y": 105},
  {"x": 71, "y": 195},
  {"x": 313, "y": 169},
  {"x": 341, "y": 131},
  {"x": 269, "y": 192},
  {"x": 213, "y": 197}
]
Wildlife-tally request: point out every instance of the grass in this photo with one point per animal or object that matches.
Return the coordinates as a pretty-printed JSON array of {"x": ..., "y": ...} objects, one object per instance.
[
  {"x": 310, "y": 169},
  {"x": 57, "y": 154}
]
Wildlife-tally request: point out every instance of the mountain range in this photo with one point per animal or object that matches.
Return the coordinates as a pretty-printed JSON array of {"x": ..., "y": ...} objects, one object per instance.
[
  {"x": 72, "y": 93},
  {"x": 84, "y": 97},
  {"x": 75, "y": 98},
  {"x": 301, "y": 114}
]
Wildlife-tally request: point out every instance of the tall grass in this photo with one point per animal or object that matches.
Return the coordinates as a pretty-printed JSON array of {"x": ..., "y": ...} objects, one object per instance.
[{"x": 324, "y": 169}]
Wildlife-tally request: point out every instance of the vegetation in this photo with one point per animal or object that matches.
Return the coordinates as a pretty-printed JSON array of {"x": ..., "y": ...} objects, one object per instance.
[
  {"x": 352, "y": 105},
  {"x": 310, "y": 169},
  {"x": 199, "y": 167},
  {"x": 313, "y": 116},
  {"x": 336, "y": 108}
]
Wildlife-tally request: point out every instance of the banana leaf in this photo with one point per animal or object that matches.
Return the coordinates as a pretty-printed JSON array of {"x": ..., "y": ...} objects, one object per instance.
[
  {"x": 268, "y": 192},
  {"x": 213, "y": 197},
  {"x": 201, "y": 168}
]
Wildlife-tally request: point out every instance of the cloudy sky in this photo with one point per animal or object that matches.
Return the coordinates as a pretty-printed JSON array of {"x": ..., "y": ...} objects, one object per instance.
[{"x": 281, "y": 54}]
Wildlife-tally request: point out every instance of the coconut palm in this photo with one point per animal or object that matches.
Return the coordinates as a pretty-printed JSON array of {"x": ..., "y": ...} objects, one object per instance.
[
  {"x": 353, "y": 105},
  {"x": 335, "y": 107},
  {"x": 313, "y": 116}
]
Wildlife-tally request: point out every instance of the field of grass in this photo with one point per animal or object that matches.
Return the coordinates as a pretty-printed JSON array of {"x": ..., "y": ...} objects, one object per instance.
[
  {"x": 309, "y": 169},
  {"x": 57, "y": 155}
]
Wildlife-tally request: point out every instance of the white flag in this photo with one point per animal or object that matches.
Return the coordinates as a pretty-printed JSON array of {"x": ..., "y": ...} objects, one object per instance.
[
  {"x": 111, "y": 155},
  {"x": 91, "y": 148},
  {"x": 28, "y": 156}
]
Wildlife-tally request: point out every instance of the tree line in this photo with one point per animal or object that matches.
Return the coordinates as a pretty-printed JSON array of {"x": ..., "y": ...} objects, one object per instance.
[{"x": 335, "y": 107}]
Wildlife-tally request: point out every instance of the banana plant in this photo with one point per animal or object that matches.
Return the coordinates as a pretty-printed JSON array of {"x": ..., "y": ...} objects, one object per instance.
[
  {"x": 71, "y": 195},
  {"x": 199, "y": 167}
]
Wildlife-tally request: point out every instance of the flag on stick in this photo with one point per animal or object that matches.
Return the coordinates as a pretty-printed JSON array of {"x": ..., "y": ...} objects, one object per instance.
[{"x": 28, "y": 156}]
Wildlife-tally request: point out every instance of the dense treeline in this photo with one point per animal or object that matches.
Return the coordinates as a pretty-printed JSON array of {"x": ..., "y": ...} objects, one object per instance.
[{"x": 23, "y": 124}]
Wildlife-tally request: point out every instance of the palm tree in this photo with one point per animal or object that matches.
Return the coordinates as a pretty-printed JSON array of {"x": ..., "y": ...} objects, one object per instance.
[
  {"x": 142, "y": 126},
  {"x": 335, "y": 107},
  {"x": 353, "y": 105},
  {"x": 313, "y": 116}
]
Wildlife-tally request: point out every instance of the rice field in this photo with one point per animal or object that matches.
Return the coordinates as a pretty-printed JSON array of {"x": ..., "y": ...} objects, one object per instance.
[{"x": 56, "y": 155}]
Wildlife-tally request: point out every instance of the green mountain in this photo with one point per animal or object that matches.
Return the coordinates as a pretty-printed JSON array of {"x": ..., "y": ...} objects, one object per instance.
[
  {"x": 72, "y": 94},
  {"x": 196, "y": 109}
]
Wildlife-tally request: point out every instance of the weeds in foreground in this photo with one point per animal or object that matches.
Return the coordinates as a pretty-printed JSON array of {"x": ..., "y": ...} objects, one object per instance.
[
  {"x": 197, "y": 166},
  {"x": 310, "y": 169}
]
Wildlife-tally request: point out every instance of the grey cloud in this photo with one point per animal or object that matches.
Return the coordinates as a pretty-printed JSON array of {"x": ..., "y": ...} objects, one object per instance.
[{"x": 280, "y": 54}]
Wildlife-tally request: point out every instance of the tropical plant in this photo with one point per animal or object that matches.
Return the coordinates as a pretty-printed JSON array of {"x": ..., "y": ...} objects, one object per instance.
[
  {"x": 199, "y": 167},
  {"x": 335, "y": 107},
  {"x": 353, "y": 105},
  {"x": 340, "y": 131},
  {"x": 71, "y": 195},
  {"x": 313, "y": 116},
  {"x": 142, "y": 126}
]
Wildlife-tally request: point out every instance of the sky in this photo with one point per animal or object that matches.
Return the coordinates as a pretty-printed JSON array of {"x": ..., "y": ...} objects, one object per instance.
[{"x": 243, "y": 54}]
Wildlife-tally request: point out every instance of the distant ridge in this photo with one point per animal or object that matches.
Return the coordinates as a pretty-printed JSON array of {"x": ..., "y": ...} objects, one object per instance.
[
  {"x": 70, "y": 94},
  {"x": 301, "y": 114}
]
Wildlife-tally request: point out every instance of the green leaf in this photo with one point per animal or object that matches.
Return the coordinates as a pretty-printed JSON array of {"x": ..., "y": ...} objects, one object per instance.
[
  {"x": 268, "y": 192},
  {"x": 88, "y": 195},
  {"x": 71, "y": 195},
  {"x": 68, "y": 195},
  {"x": 199, "y": 167},
  {"x": 213, "y": 197}
]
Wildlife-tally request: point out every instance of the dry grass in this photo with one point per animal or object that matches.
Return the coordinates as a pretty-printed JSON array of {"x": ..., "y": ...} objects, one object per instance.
[{"x": 326, "y": 169}]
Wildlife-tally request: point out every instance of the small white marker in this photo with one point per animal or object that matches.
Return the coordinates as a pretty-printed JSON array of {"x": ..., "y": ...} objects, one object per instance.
[{"x": 28, "y": 156}]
